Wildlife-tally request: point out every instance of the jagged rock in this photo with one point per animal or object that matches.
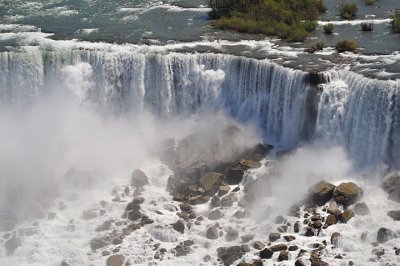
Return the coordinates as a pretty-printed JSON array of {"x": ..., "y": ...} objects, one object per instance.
[
  {"x": 134, "y": 215},
  {"x": 211, "y": 181},
  {"x": 230, "y": 254},
  {"x": 333, "y": 209},
  {"x": 309, "y": 232},
  {"x": 384, "y": 235},
  {"x": 228, "y": 200},
  {"x": 89, "y": 214},
  {"x": 300, "y": 262},
  {"x": 247, "y": 238},
  {"x": 12, "y": 244},
  {"x": 346, "y": 216},
  {"x": 132, "y": 206},
  {"x": 330, "y": 220},
  {"x": 283, "y": 255},
  {"x": 179, "y": 226},
  {"x": 274, "y": 236},
  {"x": 258, "y": 245},
  {"x": 104, "y": 226},
  {"x": 245, "y": 248},
  {"x": 139, "y": 178},
  {"x": 278, "y": 247},
  {"x": 215, "y": 202},
  {"x": 391, "y": 185},
  {"x": 336, "y": 239},
  {"x": 115, "y": 260},
  {"x": 183, "y": 248},
  {"x": 378, "y": 251},
  {"x": 296, "y": 227},
  {"x": 289, "y": 238},
  {"x": 212, "y": 232},
  {"x": 266, "y": 253},
  {"x": 223, "y": 190},
  {"x": 361, "y": 208},
  {"x": 231, "y": 234},
  {"x": 347, "y": 193},
  {"x": 395, "y": 215},
  {"x": 185, "y": 207},
  {"x": 215, "y": 215},
  {"x": 234, "y": 174},
  {"x": 317, "y": 224},
  {"x": 321, "y": 192}
]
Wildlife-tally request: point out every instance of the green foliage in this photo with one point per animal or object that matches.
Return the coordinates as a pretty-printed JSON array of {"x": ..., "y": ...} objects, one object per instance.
[
  {"x": 346, "y": 45},
  {"x": 369, "y": 2},
  {"x": 396, "y": 22},
  {"x": 288, "y": 19},
  {"x": 349, "y": 11},
  {"x": 328, "y": 28}
]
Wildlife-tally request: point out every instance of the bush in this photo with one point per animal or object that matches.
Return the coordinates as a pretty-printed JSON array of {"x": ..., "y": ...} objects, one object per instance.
[
  {"x": 318, "y": 46},
  {"x": 367, "y": 26},
  {"x": 396, "y": 22},
  {"x": 309, "y": 25},
  {"x": 346, "y": 45},
  {"x": 369, "y": 2},
  {"x": 328, "y": 28},
  {"x": 349, "y": 11}
]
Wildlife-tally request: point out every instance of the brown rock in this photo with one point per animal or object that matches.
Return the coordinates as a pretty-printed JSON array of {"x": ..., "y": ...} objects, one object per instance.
[
  {"x": 283, "y": 255},
  {"x": 215, "y": 202},
  {"x": 115, "y": 260},
  {"x": 330, "y": 220},
  {"x": 346, "y": 216},
  {"x": 274, "y": 236},
  {"x": 347, "y": 193},
  {"x": 336, "y": 239},
  {"x": 228, "y": 200},
  {"x": 212, "y": 232},
  {"x": 139, "y": 178},
  {"x": 223, "y": 190},
  {"x": 215, "y": 215},
  {"x": 289, "y": 238},
  {"x": 247, "y": 238},
  {"x": 258, "y": 245},
  {"x": 321, "y": 192},
  {"x": 278, "y": 247},
  {"x": 391, "y": 185},
  {"x": 211, "y": 180}
]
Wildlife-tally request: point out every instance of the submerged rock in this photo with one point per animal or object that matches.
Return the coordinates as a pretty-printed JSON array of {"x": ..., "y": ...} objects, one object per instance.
[
  {"x": 391, "y": 185},
  {"x": 336, "y": 239},
  {"x": 346, "y": 216},
  {"x": 362, "y": 209},
  {"x": 321, "y": 192},
  {"x": 215, "y": 215},
  {"x": 347, "y": 193},
  {"x": 212, "y": 232},
  {"x": 266, "y": 253},
  {"x": 384, "y": 235},
  {"x": 179, "y": 226}
]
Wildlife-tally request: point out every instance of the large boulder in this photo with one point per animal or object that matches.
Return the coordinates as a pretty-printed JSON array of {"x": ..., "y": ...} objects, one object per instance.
[
  {"x": 395, "y": 215},
  {"x": 346, "y": 216},
  {"x": 391, "y": 185},
  {"x": 211, "y": 181},
  {"x": 139, "y": 178},
  {"x": 321, "y": 192},
  {"x": 347, "y": 193}
]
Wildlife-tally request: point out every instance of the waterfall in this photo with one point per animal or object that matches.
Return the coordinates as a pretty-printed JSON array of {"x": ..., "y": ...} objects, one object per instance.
[{"x": 289, "y": 106}]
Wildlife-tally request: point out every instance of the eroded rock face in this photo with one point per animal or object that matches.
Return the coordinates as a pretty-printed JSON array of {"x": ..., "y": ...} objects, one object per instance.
[
  {"x": 139, "y": 178},
  {"x": 321, "y": 192},
  {"x": 347, "y": 193},
  {"x": 391, "y": 185}
]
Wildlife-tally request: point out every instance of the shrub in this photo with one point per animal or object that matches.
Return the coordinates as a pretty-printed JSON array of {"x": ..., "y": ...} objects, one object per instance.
[
  {"x": 396, "y": 22},
  {"x": 369, "y": 2},
  {"x": 318, "y": 46},
  {"x": 346, "y": 45},
  {"x": 367, "y": 26},
  {"x": 309, "y": 25},
  {"x": 328, "y": 28},
  {"x": 349, "y": 11}
]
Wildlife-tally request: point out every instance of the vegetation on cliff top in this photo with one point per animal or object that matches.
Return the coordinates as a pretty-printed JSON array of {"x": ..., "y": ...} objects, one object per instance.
[{"x": 288, "y": 19}]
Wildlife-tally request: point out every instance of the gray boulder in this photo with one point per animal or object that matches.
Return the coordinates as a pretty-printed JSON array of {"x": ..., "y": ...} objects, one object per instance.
[{"x": 139, "y": 178}]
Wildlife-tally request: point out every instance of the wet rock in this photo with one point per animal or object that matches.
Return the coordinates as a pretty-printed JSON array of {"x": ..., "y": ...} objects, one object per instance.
[
  {"x": 361, "y": 208},
  {"x": 283, "y": 255},
  {"x": 12, "y": 244},
  {"x": 199, "y": 199},
  {"x": 266, "y": 253},
  {"x": 132, "y": 206},
  {"x": 231, "y": 234},
  {"x": 138, "y": 200},
  {"x": 139, "y": 178},
  {"x": 215, "y": 215},
  {"x": 89, "y": 214},
  {"x": 384, "y": 235},
  {"x": 300, "y": 262},
  {"x": 215, "y": 202},
  {"x": 274, "y": 236},
  {"x": 336, "y": 239},
  {"x": 333, "y": 209},
  {"x": 105, "y": 253},
  {"x": 296, "y": 227},
  {"x": 241, "y": 214},
  {"x": 245, "y": 248},
  {"x": 104, "y": 226},
  {"x": 321, "y": 192},
  {"x": 309, "y": 231},
  {"x": 211, "y": 181},
  {"x": 134, "y": 215},
  {"x": 115, "y": 260},
  {"x": 391, "y": 185},
  {"x": 293, "y": 248},
  {"x": 247, "y": 238},
  {"x": 317, "y": 224},
  {"x": 223, "y": 190},
  {"x": 289, "y": 238},
  {"x": 183, "y": 248},
  {"x": 179, "y": 226},
  {"x": 330, "y": 220},
  {"x": 280, "y": 219},
  {"x": 258, "y": 245},
  {"x": 378, "y": 251},
  {"x": 228, "y": 200},
  {"x": 212, "y": 232},
  {"x": 278, "y": 247},
  {"x": 185, "y": 207},
  {"x": 97, "y": 243},
  {"x": 347, "y": 193},
  {"x": 64, "y": 263},
  {"x": 395, "y": 215},
  {"x": 346, "y": 216}
]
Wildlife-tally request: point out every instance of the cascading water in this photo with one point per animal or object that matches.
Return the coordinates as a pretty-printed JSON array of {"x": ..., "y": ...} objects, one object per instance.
[{"x": 357, "y": 112}]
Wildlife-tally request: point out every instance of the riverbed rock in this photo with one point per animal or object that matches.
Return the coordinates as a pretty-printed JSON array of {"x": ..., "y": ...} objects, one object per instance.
[
  {"x": 212, "y": 232},
  {"x": 347, "y": 193},
  {"x": 223, "y": 190},
  {"x": 115, "y": 260},
  {"x": 334, "y": 209},
  {"x": 211, "y": 181},
  {"x": 12, "y": 244},
  {"x": 215, "y": 202},
  {"x": 283, "y": 255},
  {"x": 230, "y": 254},
  {"x": 274, "y": 236},
  {"x": 228, "y": 200},
  {"x": 215, "y": 215},
  {"x": 330, "y": 220},
  {"x": 179, "y": 226},
  {"x": 278, "y": 247},
  {"x": 346, "y": 216},
  {"x": 336, "y": 239},
  {"x": 361, "y": 208},
  {"x": 384, "y": 235},
  {"x": 266, "y": 253},
  {"x": 391, "y": 185},
  {"x": 231, "y": 234},
  {"x": 321, "y": 192},
  {"x": 395, "y": 215},
  {"x": 139, "y": 178}
]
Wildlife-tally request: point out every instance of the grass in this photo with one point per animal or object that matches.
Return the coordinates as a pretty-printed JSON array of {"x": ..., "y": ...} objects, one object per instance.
[
  {"x": 349, "y": 11},
  {"x": 291, "y": 20}
]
